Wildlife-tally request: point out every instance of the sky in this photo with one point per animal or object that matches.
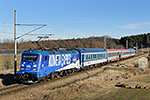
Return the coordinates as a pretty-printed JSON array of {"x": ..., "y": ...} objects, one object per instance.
[{"x": 67, "y": 19}]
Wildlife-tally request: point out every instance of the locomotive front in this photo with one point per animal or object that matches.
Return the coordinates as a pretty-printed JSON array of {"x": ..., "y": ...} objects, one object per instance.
[{"x": 29, "y": 66}]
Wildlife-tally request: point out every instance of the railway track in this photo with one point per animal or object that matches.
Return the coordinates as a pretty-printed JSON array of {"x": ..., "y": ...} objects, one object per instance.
[
  {"x": 17, "y": 88},
  {"x": 12, "y": 89},
  {"x": 20, "y": 87}
]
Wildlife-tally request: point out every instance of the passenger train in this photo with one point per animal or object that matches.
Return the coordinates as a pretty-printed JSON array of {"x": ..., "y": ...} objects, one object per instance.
[{"x": 39, "y": 65}]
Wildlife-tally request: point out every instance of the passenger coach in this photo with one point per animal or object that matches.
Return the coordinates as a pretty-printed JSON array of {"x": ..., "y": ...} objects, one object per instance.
[
  {"x": 92, "y": 56},
  {"x": 113, "y": 54},
  {"x": 125, "y": 53}
]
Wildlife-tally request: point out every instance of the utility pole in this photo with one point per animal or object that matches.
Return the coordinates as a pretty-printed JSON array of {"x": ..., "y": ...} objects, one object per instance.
[
  {"x": 141, "y": 48},
  {"x": 105, "y": 42},
  {"x": 136, "y": 48},
  {"x": 126, "y": 44},
  {"x": 15, "y": 40}
]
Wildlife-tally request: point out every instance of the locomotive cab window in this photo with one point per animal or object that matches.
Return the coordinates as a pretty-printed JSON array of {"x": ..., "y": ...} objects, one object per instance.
[
  {"x": 45, "y": 58},
  {"x": 30, "y": 57}
]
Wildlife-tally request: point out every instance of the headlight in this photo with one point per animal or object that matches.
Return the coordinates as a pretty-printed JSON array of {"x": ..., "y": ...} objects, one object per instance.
[
  {"x": 34, "y": 69},
  {"x": 28, "y": 66},
  {"x": 21, "y": 68},
  {"x": 22, "y": 65},
  {"x": 34, "y": 65}
]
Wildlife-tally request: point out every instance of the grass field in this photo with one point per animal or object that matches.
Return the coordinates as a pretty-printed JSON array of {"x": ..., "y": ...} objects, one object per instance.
[{"x": 131, "y": 94}]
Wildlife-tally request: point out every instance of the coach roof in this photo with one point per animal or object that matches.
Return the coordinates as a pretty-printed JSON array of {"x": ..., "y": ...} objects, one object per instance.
[{"x": 86, "y": 50}]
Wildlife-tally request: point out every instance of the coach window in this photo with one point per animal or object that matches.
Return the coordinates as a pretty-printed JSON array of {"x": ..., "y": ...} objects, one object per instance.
[
  {"x": 94, "y": 56},
  {"x": 125, "y": 53},
  {"x": 98, "y": 55},
  {"x": 103, "y": 55},
  {"x": 86, "y": 57},
  {"x": 113, "y": 54},
  {"x": 108, "y": 54},
  {"x": 89, "y": 57}
]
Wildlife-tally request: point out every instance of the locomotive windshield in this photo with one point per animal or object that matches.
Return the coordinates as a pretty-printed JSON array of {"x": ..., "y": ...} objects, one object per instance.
[{"x": 30, "y": 57}]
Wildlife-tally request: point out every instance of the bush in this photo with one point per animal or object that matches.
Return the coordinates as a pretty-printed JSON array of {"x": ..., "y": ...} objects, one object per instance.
[{"x": 8, "y": 59}]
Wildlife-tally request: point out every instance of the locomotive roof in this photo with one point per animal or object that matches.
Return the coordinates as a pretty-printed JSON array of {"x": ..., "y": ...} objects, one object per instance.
[
  {"x": 30, "y": 51},
  {"x": 85, "y": 50},
  {"x": 52, "y": 51}
]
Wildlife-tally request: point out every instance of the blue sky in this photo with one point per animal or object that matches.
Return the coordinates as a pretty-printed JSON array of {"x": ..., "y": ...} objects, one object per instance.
[{"x": 75, "y": 18}]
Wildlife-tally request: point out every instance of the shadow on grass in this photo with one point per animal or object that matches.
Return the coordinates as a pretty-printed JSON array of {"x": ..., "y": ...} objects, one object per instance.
[{"x": 8, "y": 79}]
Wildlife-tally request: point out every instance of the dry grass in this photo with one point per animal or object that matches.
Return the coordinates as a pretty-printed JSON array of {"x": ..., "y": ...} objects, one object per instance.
[
  {"x": 9, "y": 57},
  {"x": 100, "y": 86}
]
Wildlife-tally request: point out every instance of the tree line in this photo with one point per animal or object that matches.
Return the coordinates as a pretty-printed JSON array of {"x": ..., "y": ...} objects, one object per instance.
[
  {"x": 90, "y": 42},
  {"x": 143, "y": 39}
]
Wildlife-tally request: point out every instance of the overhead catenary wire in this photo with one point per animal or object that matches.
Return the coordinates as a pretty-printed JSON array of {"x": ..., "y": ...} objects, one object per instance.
[
  {"x": 6, "y": 23},
  {"x": 4, "y": 32},
  {"x": 31, "y": 31},
  {"x": 31, "y": 24},
  {"x": 26, "y": 33},
  {"x": 69, "y": 33},
  {"x": 3, "y": 29},
  {"x": 42, "y": 34},
  {"x": 49, "y": 28}
]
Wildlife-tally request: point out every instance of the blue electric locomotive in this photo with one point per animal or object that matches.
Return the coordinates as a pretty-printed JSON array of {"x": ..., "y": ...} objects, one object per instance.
[{"x": 40, "y": 65}]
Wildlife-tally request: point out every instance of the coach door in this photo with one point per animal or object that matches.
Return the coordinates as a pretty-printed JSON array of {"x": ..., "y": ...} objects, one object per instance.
[
  {"x": 45, "y": 61},
  {"x": 82, "y": 60}
]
